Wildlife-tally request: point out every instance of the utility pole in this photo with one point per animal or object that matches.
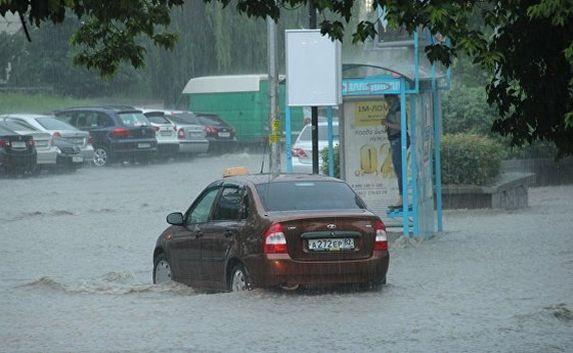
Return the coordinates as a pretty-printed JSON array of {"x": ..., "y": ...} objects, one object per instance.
[
  {"x": 274, "y": 121},
  {"x": 314, "y": 110}
]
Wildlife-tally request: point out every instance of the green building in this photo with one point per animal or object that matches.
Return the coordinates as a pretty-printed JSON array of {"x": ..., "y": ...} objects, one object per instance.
[{"x": 241, "y": 100}]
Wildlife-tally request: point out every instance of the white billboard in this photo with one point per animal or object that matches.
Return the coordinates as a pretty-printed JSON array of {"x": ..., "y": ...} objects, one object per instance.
[{"x": 313, "y": 69}]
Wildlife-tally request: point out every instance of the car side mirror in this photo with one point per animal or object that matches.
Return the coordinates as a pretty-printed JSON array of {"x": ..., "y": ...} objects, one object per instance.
[{"x": 175, "y": 218}]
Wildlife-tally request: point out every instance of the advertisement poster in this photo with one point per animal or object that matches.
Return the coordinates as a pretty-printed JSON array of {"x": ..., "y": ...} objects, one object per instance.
[{"x": 368, "y": 160}]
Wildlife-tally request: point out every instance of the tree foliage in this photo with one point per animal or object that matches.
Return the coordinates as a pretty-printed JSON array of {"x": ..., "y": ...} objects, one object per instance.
[{"x": 526, "y": 45}]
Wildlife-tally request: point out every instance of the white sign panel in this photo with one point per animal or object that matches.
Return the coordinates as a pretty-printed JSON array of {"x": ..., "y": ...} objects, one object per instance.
[{"x": 313, "y": 69}]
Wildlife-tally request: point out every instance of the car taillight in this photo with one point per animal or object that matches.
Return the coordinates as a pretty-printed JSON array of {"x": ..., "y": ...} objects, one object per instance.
[
  {"x": 211, "y": 130},
  {"x": 181, "y": 134},
  {"x": 298, "y": 152},
  {"x": 90, "y": 139},
  {"x": 31, "y": 142},
  {"x": 3, "y": 143},
  {"x": 156, "y": 128},
  {"x": 120, "y": 132},
  {"x": 56, "y": 135},
  {"x": 381, "y": 238},
  {"x": 274, "y": 240}
]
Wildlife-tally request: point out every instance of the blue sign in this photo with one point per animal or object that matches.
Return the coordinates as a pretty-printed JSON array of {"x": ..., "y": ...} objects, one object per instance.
[{"x": 370, "y": 87}]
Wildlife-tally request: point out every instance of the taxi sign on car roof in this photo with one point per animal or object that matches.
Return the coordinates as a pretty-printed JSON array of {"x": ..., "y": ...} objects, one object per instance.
[{"x": 234, "y": 171}]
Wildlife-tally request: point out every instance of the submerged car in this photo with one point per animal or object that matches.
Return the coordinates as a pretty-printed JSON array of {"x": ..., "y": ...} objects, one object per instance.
[
  {"x": 47, "y": 153},
  {"x": 75, "y": 145},
  {"x": 165, "y": 133},
  {"x": 258, "y": 231},
  {"x": 17, "y": 152},
  {"x": 119, "y": 132},
  {"x": 190, "y": 133},
  {"x": 221, "y": 135}
]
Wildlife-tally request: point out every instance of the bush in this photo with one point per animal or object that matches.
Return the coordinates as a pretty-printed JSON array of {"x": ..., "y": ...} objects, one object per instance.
[
  {"x": 465, "y": 109},
  {"x": 470, "y": 159},
  {"x": 324, "y": 156}
]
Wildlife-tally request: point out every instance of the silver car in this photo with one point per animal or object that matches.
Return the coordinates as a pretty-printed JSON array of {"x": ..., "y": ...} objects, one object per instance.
[
  {"x": 165, "y": 132},
  {"x": 302, "y": 148},
  {"x": 47, "y": 154},
  {"x": 190, "y": 132},
  {"x": 59, "y": 130}
]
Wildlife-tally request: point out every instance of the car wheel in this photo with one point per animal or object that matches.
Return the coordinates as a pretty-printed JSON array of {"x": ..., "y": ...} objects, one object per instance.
[
  {"x": 239, "y": 280},
  {"x": 161, "y": 270},
  {"x": 101, "y": 157}
]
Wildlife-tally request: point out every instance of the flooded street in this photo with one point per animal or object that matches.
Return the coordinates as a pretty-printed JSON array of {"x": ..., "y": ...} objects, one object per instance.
[{"x": 76, "y": 261}]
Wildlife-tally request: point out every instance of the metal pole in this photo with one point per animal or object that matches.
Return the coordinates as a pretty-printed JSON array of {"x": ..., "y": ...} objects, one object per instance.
[
  {"x": 274, "y": 121},
  {"x": 314, "y": 110}
]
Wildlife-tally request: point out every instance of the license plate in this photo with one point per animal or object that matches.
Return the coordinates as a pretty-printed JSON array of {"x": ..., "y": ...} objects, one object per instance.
[
  {"x": 18, "y": 144},
  {"x": 337, "y": 244},
  {"x": 224, "y": 134},
  {"x": 143, "y": 145},
  {"x": 165, "y": 133},
  {"x": 77, "y": 159}
]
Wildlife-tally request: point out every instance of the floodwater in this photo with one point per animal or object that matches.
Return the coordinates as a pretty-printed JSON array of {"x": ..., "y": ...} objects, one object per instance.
[{"x": 75, "y": 269}]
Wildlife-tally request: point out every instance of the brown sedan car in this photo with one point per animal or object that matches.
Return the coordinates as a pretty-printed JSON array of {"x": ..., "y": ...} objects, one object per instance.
[{"x": 257, "y": 231}]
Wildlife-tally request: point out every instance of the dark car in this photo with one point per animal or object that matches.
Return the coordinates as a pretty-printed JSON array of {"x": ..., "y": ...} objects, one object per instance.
[
  {"x": 221, "y": 135},
  {"x": 256, "y": 231},
  {"x": 17, "y": 152},
  {"x": 118, "y": 132}
]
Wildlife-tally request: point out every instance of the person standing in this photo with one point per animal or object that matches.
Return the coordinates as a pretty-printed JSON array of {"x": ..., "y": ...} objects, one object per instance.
[{"x": 394, "y": 132}]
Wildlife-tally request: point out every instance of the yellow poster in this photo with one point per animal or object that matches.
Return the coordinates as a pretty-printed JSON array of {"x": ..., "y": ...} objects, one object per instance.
[{"x": 370, "y": 113}]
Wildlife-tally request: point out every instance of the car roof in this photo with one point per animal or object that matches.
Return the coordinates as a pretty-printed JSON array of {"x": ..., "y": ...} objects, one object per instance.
[
  {"x": 265, "y": 178},
  {"x": 104, "y": 108},
  {"x": 26, "y": 116}
]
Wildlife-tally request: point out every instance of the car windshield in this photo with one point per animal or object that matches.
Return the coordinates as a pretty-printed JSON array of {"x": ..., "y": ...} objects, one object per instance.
[
  {"x": 157, "y": 119},
  {"x": 305, "y": 134},
  {"x": 17, "y": 125},
  {"x": 133, "y": 119},
  {"x": 50, "y": 123},
  {"x": 184, "y": 118},
  {"x": 307, "y": 196}
]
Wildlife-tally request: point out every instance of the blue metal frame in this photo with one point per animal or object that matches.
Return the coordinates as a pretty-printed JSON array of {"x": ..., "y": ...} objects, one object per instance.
[
  {"x": 403, "y": 138},
  {"x": 413, "y": 162},
  {"x": 330, "y": 142}
]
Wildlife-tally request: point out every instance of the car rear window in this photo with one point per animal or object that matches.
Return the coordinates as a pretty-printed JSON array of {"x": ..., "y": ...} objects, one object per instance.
[
  {"x": 4, "y": 131},
  {"x": 210, "y": 120},
  {"x": 54, "y": 124},
  {"x": 308, "y": 196},
  {"x": 158, "y": 119},
  {"x": 184, "y": 118},
  {"x": 17, "y": 125},
  {"x": 305, "y": 134},
  {"x": 133, "y": 119}
]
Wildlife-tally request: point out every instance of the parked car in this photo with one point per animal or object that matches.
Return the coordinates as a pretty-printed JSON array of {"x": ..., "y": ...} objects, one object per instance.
[
  {"x": 257, "y": 231},
  {"x": 118, "y": 132},
  {"x": 17, "y": 152},
  {"x": 302, "y": 148},
  {"x": 46, "y": 153},
  {"x": 75, "y": 144},
  {"x": 165, "y": 132},
  {"x": 221, "y": 135},
  {"x": 190, "y": 133}
]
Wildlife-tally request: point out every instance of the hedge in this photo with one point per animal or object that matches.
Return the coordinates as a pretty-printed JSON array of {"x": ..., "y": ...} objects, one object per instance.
[{"x": 470, "y": 159}]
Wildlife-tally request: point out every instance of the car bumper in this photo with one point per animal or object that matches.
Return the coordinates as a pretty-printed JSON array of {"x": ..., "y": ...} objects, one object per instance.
[
  {"x": 279, "y": 269},
  {"x": 46, "y": 157},
  {"x": 193, "y": 146},
  {"x": 88, "y": 153},
  {"x": 25, "y": 161},
  {"x": 167, "y": 147},
  {"x": 134, "y": 147}
]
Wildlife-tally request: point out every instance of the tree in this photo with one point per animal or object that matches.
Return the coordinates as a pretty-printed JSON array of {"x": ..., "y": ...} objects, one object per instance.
[{"x": 526, "y": 45}]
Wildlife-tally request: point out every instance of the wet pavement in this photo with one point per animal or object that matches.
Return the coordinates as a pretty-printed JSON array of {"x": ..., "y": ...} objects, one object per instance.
[{"x": 75, "y": 264}]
